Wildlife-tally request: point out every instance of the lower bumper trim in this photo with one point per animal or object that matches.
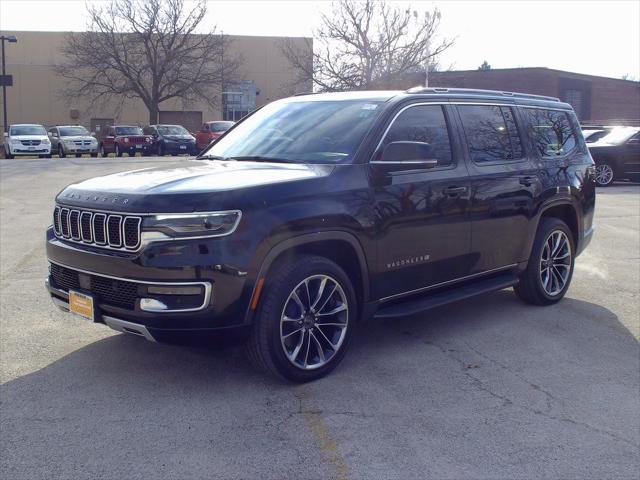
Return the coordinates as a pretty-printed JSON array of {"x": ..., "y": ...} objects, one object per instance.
[{"x": 115, "y": 323}]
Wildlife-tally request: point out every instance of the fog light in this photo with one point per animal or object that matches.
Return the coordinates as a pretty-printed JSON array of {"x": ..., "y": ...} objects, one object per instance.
[{"x": 152, "y": 305}]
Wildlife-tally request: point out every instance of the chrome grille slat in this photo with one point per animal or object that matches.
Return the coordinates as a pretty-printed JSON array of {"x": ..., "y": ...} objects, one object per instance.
[{"x": 116, "y": 232}]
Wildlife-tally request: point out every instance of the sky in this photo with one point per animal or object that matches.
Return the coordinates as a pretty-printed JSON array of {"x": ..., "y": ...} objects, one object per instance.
[{"x": 584, "y": 36}]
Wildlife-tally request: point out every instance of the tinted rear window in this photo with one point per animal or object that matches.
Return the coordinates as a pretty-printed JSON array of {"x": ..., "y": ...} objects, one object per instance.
[
  {"x": 128, "y": 131},
  {"x": 491, "y": 132},
  {"x": 551, "y": 132}
]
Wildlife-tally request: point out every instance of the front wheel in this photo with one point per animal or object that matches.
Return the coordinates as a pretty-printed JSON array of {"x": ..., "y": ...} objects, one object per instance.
[
  {"x": 61, "y": 153},
  {"x": 550, "y": 268},
  {"x": 305, "y": 320},
  {"x": 604, "y": 174},
  {"x": 118, "y": 151}
]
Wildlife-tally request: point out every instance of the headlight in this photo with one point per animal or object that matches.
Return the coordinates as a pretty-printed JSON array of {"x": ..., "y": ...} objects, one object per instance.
[
  {"x": 126, "y": 139},
  {"x": 15, "y": 142},
  {"x": 194, "y": 225},
  {"x": 148, "y": 140},
  {"x": 69, "y": 142},
  {"x": 46, "y": 141}
]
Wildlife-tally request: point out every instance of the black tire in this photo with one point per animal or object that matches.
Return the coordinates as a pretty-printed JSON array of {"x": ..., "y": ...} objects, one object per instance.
[
  {"x": 61, "y": 153},
  {"x": 78, "y": 155},
  {"x": 94, "y": 155},
  {"x": 531, "y": 288},
  {"x": 118, "y": 151},
  {"x": 266, "y": 348},
  {"x": 605, "y": 174},
  {"x": 102, "y": 152},
  {"x": 161, "y": 152},
  {"x": 8, "y": 156}
]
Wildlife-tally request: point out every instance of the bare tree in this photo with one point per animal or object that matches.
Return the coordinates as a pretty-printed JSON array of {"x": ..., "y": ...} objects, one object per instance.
[
  {"x": 147, "y": 50},
  {"x": 368, "y": 44}
]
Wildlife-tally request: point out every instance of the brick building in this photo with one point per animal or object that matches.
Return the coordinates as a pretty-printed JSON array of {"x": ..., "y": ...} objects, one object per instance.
[{"x": 595, "y": 99}]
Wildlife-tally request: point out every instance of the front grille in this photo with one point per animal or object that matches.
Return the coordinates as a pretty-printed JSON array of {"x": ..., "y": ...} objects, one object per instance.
[
  {"x": 121, "y": 232},
  {"x": 110, "y": 291},
  {"x": 82, "y": 142},
  {"x": 30, "y": 143}
]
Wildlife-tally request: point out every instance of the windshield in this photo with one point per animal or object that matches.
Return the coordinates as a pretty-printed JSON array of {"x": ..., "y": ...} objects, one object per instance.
[
  {"x": 128, "y": 131},
  {"x": 618, "y": 135},
  {"x": 27, "y": 130},
  {"x": 220, "y": 126},
  {"x": 305, "y": 132},
  {"x": 73, "y": 131},
  {"x": 172, "y": 130}
]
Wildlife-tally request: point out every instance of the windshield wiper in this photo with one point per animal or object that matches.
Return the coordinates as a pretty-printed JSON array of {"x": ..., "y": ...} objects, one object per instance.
[{"x": 210, "y": 157}]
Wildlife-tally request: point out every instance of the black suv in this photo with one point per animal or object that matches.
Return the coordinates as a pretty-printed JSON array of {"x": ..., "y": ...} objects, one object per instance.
[
  {"x": 617, "y": 156},
  {"x": 318, "y": 212}
]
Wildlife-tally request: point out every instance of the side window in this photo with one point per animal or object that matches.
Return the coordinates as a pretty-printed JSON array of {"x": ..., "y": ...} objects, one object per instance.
[
  {"x": 551, "y": 132},
  {"x": 491, "y": 132},
  {"x": 423, "y": 123}
]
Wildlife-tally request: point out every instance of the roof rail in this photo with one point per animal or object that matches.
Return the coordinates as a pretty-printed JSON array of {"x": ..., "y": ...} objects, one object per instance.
[
  {"x": 475, "y": 91},
  {"x": 304, "y": 93}
]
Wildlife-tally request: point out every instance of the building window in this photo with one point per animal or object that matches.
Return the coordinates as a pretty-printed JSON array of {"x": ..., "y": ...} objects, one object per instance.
[
  {"x": 574, "y": 98},
  {"x": 239, "y": 100}
]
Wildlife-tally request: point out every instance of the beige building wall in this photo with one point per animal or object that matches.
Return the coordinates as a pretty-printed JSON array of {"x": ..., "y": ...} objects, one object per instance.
[{"x": 35, "y": 94}]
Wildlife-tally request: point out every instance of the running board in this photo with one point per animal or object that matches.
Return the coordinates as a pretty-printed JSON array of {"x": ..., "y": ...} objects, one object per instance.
[{"x": 453, "y": 294}]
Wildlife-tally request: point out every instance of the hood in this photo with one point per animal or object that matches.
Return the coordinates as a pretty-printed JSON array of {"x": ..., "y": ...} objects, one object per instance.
[
  {"x": 178, "y": 137},
  {"x": 77, "y": 137},
  {"x": 142, "y": 190}
]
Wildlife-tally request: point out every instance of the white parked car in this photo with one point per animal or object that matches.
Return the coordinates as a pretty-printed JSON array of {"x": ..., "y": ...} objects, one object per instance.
[{"x": 27, "y": 139}]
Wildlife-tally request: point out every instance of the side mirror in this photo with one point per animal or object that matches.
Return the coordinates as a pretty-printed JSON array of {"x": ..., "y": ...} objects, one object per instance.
[
  {"x": 6, "y": 134},
  {"x": 414, "y": 153},
  {"x": 633, "y": 142}
]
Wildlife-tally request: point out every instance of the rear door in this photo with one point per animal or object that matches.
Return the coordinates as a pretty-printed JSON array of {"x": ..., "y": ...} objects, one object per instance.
[
  {"x": 505, "y": 182},
  {"x": 421, "y": 214},
  {"x": 631, "y": 158}
]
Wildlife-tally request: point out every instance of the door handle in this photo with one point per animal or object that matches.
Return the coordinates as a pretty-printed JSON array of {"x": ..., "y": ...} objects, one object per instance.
[
  {"x": 454, "y": 191},
  {"x": 526, "y": 181}
]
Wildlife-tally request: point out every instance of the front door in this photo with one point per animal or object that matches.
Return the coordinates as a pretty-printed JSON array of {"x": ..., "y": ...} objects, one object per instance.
[{"x": 421, "y": 213}]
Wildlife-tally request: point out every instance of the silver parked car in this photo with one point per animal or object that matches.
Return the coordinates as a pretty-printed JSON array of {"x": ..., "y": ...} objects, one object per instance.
[{"x": 72, "y": 140}]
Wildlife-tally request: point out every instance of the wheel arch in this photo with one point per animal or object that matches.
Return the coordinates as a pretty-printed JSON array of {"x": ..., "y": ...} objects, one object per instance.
[
  {"x": 339, "y": 246},
  {"x": 565, "y": 211}
]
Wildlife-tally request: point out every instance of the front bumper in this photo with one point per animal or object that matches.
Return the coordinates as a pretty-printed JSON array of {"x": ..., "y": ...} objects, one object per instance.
[
  {"x": 80, "y": 149},
  {"x": 22, "y": 150},
  {"x": 194, "y": 262}
]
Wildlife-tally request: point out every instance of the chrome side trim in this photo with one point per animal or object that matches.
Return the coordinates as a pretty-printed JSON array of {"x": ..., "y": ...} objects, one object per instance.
[
  {"x": 206, "y": 285},
  {"x": 507, "y": 103},
  {"x": 442, "y": 284},
  {"x": 128, "y": 327}
]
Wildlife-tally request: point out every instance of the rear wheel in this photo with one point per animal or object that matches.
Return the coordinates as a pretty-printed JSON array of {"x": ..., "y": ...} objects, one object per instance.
[
  {"x": 118, "y": 151},
  {"x": 604, "y": 174},
  {"x": 61, "y": 153},
  {"x": 102, "y": 151},
  {"x": 550, "y": 267},
  {"x": 161, "y": 152},
  {"x": 305, "y": 320},
  {"x": 94, "y": 155}
]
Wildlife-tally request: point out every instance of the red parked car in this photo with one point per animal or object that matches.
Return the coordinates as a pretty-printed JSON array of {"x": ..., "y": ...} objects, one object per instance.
[
  {"x": 210, "y": 131},
  {"x": 129, "y": 139}
]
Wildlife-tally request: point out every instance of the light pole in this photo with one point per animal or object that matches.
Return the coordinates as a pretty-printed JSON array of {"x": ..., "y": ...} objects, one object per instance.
[{"x": 10, "y": 39}]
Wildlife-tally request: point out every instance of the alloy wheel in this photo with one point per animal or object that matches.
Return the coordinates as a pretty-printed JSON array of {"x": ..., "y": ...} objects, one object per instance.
[
  {"x": 604, "y": 174},
  {"x": 555, "y": 263},
  {"x": 314, "y": 322}
]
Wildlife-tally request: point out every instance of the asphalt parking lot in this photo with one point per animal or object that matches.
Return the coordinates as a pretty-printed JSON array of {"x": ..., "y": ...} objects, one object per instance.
[{"x": 485, "y": 388}]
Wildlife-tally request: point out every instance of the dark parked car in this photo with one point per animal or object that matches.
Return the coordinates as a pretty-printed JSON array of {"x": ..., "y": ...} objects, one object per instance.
[
  {"x": 210, "y": 131},
  {"x": 171, "y": 139},
  {"x": 72, "y": 140},
  {"x": 617, "y": 156},
  {"x": 319, "y": 212},
  {"x": 128, "y": 139}
]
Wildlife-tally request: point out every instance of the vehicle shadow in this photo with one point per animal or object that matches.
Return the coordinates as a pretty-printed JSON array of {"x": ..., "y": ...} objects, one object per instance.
[{"x": 117, "y": 404}]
